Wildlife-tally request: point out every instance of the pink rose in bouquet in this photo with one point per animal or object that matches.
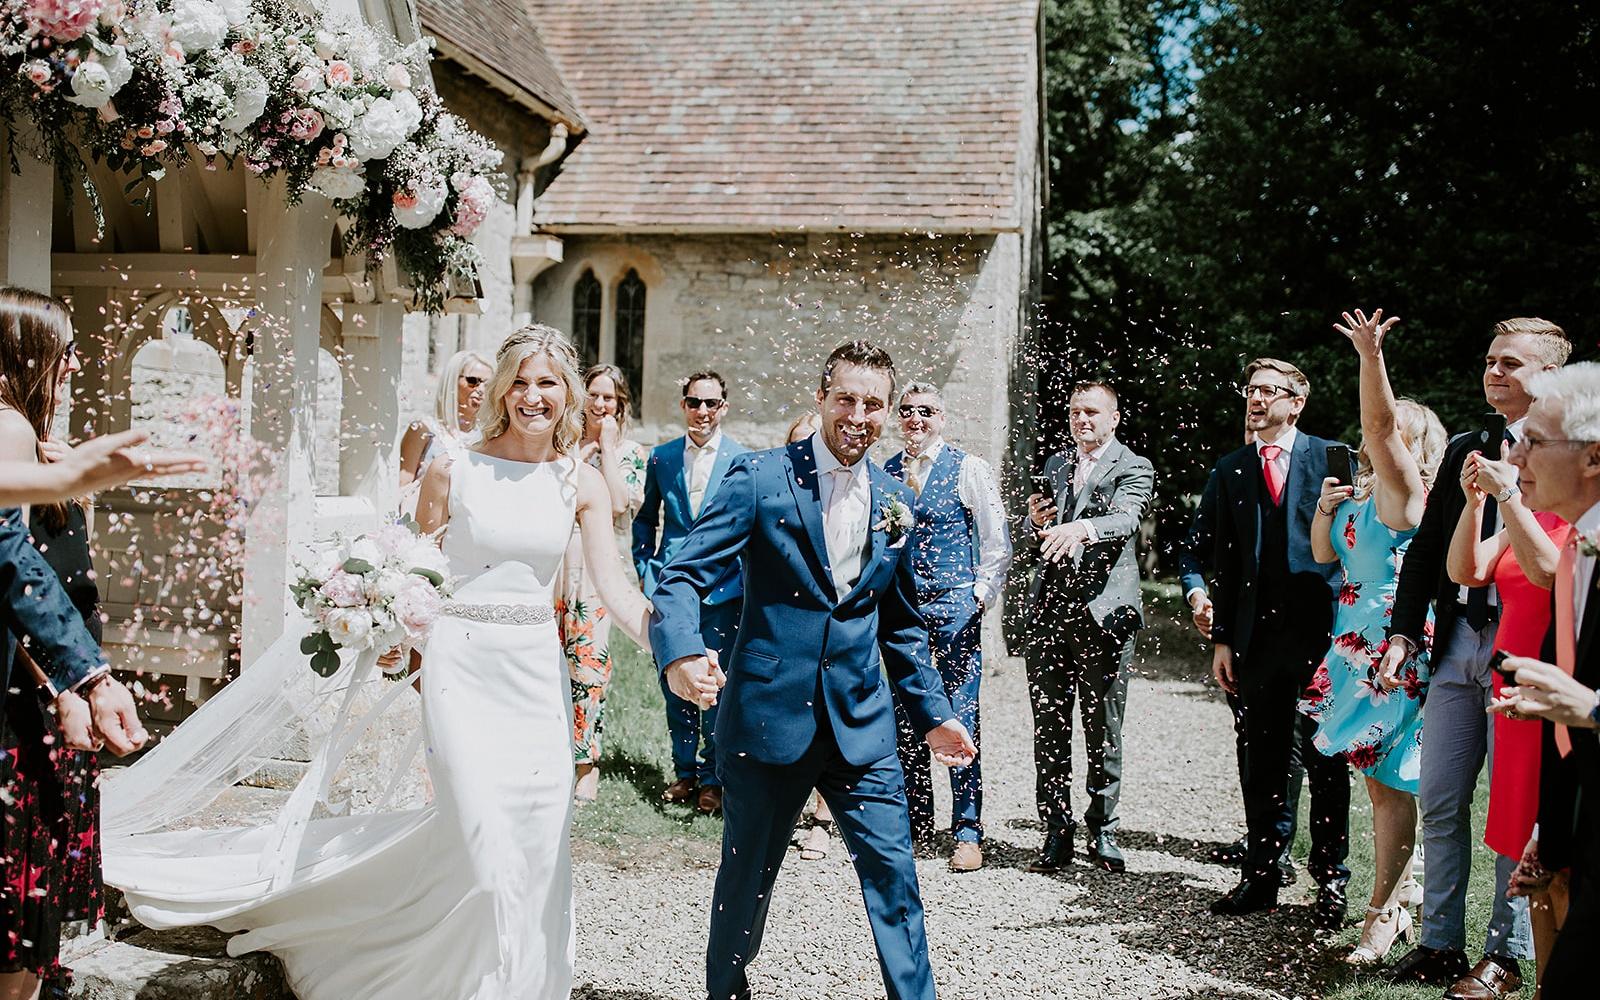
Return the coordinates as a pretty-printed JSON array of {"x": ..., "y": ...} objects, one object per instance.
[
  {"x": 304, "y": 124},
  {"x": 474, "y": 197}
]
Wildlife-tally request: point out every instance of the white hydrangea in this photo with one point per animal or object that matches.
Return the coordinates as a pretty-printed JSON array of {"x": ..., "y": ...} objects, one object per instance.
[
  {"x": 382, "y": 127},
  {"x": 198, "y": 25},
  {"x": 249, "y": 99},
  {"x": 96, "y": 81},
  {"x": 236, "y": 11},
  {"x": 339, "y": 182},
  {"x": 409, "y": 109}
]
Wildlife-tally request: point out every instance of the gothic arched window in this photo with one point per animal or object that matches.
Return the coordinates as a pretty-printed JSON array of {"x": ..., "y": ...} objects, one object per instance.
[
  {"x": 586, "y": 317},
  {"x": 630, "y": 332}
]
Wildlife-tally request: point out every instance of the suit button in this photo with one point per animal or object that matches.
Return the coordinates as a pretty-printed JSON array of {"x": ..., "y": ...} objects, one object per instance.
[{"x": 824, "y": 664}]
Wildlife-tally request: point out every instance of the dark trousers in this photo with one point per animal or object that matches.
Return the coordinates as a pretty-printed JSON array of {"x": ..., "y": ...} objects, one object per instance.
[
  {"x": 1270, "y": 680},
  {"x": 761, "y": 804},
  {"x": 955, "y": 633},
  {"x": 1071, "y": 659},
  {"x": 693, "y": 730}
]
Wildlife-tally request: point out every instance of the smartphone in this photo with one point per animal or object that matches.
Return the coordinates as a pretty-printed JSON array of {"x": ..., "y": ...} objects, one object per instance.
[
  {"x": 1342, "y": 464},
  {"x": 1497, "y": 663},
  {"x": 1045, "y": 485},
  {"x": 1493, "y": 432}
]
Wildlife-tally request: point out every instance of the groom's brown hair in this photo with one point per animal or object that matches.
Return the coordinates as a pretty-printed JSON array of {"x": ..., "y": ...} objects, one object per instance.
[{"x": 862, "y": 354}]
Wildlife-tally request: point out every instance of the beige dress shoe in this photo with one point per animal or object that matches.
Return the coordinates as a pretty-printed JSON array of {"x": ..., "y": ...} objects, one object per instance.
[{"x": 968, "y": 857}]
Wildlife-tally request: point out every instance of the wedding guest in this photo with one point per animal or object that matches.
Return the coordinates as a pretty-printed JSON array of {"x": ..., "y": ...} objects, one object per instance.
[
  {"x": 1458, "y": 730},
  {"x": 585, "y": 626},
  {"x": 456, "y": 401},
  {"x": 1371, "y": 719},
  {"x": 1520, "y": 560},
  {"x": 682, "y": 479},
  {"x": 1558, "y": 455},
  {"x": 816, "y": 841},
  {"x": 1271, "y": 624},
  {"x": 961, "y": 551},
  {"x": 49, "y": 841},
  {"x": 97, "y": 464},
  {"x": 1086, "y": 611}
]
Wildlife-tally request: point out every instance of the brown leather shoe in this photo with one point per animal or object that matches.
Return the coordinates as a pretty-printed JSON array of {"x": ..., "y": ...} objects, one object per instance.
[
  {"x": 710, "y": 801},
  {"x": 680, "y": 791},
  {"x": 968, "y": 857},
  {"x": 1488, "y": 980}
]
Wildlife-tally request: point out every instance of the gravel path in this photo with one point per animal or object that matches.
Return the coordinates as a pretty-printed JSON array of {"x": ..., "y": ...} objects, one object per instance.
[{"x": 1000, "y": 932}]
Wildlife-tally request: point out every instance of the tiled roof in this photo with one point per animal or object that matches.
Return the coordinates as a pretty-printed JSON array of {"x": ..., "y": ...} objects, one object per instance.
[
  {"x": 855, "y": 115},
  {"x": 499, "y": 37}
]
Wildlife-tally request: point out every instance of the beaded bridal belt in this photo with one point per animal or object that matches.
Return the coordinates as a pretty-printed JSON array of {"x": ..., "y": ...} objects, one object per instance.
[{"x": 502, "y": 614}]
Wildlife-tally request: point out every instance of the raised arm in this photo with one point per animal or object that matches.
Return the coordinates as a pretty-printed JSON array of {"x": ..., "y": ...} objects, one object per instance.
[
  {"x": 1471, "y": 559},
  {"x": 622, "y": 599},
  {"x": 97, "y": 464},
  {"x": 1402, "y": 495},
  {"x": 1536, "y": 553}
]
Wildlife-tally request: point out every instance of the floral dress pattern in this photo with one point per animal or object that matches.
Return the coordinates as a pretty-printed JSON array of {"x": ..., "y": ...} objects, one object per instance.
[
  {"x": 585, "y": 626},
  {"x": 50, "y": 839},
  {"x": 1378, "y": 731}
]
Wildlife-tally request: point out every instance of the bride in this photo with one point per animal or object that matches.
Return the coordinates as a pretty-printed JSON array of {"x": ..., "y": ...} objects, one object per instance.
[{"x": 470, "y": 897}]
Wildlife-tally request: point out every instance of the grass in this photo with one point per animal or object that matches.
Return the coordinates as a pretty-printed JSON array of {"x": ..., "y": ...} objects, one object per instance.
[{"x": 629, "y": 823}]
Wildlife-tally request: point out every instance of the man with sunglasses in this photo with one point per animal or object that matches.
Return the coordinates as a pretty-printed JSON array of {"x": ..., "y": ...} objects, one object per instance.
[
  {"x": 1085, "y": 610},
  {"x": 961, "y": 551},
  {"x": 680, "y": 481},
  {"x": 1271, "y": 618}
]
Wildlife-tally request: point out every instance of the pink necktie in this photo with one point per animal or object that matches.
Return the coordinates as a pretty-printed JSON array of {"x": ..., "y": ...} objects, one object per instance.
[
  {"x": 1269, "y": 469},
  {"x": 1566, "y": 627}
]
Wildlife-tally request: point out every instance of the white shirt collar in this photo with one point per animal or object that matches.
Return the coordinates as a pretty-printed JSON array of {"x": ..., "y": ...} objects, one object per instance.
[
  {"x": 712, "y": 443},
  {"x": 1285, "y": 441},
  {"x": 1515, "y": 428},
  {"x": 931, "y": 453},
  {"x": 1094, "y": 456},
  {"x": 826, "y": 462},
  {"x": 1589, "y": 523}
]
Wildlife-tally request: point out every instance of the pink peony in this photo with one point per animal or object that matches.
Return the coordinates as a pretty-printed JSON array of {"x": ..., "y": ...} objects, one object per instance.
[
  {"x": 417, "y": 607},
  {"x": 305, "y": 124},
  {"x": 63, "y": 20},
  {"x": 474, "y": 198},
  {"x": 341, "y": 74},
  {"x": 345, "y": 590}
]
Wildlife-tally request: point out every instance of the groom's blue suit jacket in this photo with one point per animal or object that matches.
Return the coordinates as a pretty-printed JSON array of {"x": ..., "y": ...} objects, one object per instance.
[{"x": 803, "y": 659}]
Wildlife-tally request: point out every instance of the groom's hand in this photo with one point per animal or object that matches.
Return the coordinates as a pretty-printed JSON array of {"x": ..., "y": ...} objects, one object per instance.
[
  {"x": 951, "y": 744},
  {"x": 696, "y": 679}
]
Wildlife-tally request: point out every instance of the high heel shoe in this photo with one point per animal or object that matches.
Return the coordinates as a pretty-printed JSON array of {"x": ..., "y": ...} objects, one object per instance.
[{"x": 1383, "y": 927}]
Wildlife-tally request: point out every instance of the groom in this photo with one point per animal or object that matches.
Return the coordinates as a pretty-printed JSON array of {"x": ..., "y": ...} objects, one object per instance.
[{"x": 820, "y": 533}]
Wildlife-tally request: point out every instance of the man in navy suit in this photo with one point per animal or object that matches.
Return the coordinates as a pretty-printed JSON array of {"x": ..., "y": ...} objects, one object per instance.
[
  {"x": 1271, "y": 623},
  {"x": 820, "y": 534},
  {"x": 681, "y": 480}
]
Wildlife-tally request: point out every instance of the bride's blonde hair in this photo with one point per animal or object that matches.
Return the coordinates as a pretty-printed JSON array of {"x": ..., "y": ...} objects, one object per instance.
[{"x": 530, "y": 341}]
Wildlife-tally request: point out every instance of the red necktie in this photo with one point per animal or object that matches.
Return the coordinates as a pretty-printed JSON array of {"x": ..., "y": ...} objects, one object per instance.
[
  {"x": 1566, "y": 630},
  {"x": 1269, "y": 469}
]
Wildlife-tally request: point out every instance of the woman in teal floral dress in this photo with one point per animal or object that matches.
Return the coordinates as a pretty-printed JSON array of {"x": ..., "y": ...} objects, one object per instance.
[
  {"x": 585, "y": 626},
  {"x": 1372, "y": 719}
]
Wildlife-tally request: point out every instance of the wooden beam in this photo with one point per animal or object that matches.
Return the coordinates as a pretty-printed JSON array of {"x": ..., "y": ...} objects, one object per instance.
[{"x": 217, "y": 272}]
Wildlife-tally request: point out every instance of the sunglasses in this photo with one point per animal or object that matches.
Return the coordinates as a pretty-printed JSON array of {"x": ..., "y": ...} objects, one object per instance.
[
  {"x": 907, "y": 412},
  {"x": 697, "y": 403},
  {"x": 473, "y": 381}
]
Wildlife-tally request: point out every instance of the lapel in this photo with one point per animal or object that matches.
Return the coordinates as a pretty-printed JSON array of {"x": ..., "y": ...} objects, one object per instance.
[
  {"x": 808, "y": 501},
  {"x": 679, "y": 479},
  {"x": 1102, "y": 469},
  {"x": 1064, "y": 474},
  {"x": 719, "y": 468},
  {"x": 876, "y": 540},
  {"x": 1248, "y": 513},
  {"x": 1299, "y": 465}
]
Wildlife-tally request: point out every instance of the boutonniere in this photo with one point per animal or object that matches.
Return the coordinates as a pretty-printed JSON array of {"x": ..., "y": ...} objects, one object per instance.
[
  {"x": 897, "y": 520},
  {"x": 1589, "y": 543}
]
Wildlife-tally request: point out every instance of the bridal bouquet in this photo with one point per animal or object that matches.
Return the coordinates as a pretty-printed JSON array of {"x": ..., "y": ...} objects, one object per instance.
[{"x": 377, "y": 591}]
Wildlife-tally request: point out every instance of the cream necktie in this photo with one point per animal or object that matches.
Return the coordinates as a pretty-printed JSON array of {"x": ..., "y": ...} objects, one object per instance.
[
  {"x": 699, "y": 477},
  {"x": 917, "y": 475},
  {"x": 840, "y": 523}
]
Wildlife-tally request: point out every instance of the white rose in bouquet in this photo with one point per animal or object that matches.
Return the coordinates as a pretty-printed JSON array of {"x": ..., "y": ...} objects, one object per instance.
[
  {"x": 339, "y": 182},
  {"x": 398, "y": 77},
  {"x": 350, "y": 627},
  {"x": 249, "y": 93},
  {"x": 309, "y": 79},
  {"x": 410, "y": 111},
  {"x": 198, "y": 25},
  {"x": 236, "y": 11},
  {"x": 325, "y": 43},
  {"x": 386, "y": 586},
  {"x": 431, "y": 558},
  {"x": 417, "y": 204},
  {"x": 91, "y": 85},
  {"x": 366, "y": 549}
]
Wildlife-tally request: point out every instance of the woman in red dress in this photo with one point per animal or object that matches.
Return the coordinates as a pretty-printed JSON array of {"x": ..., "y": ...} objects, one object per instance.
[{"x": 1520, "y": 561}]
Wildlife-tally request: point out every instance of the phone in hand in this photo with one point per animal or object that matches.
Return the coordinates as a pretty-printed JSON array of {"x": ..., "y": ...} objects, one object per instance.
[
  {"x": 1046, "y": 486},
  {"x": 1342, "y": 464},
  {"x": 1497, "y": 663},
  {"x": 1492, "y": 434}
]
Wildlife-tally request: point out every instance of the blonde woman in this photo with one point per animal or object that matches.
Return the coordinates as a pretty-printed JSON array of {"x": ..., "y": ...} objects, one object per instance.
[
  {"x": 1373, "y": 719},
  {"x": 456, "y": 402},
  {"x": 585, "y": 625}
]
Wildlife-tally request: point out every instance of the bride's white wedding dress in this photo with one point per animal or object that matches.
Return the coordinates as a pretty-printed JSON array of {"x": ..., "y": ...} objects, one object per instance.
[{"x": 468, "y": 898}]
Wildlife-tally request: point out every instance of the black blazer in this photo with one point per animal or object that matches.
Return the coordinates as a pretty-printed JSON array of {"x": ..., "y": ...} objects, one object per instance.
[
  {"x": 1569, "y": 822},
  {"x": 1237, "y": 545},
  {"x": 1424, "y": 578}
]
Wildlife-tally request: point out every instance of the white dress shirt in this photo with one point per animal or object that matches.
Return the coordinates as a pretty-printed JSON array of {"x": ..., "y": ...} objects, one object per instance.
[
  {"x": 1583, "y": 567},
  {"x": 979, "y": 492},
  {"x": 846, "y": 493},
  {"x": 697, "y": 463}
]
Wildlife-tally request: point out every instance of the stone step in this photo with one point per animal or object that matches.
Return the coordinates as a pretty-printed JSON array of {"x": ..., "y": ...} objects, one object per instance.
[{"x": 189, "y": 963}]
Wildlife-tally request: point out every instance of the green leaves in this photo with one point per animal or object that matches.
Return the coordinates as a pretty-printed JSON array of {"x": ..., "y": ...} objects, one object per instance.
[
  {"x": 358, "y": 567},
  {"x": 432, "y": 576},
  {"x": 324, "y": 654}
]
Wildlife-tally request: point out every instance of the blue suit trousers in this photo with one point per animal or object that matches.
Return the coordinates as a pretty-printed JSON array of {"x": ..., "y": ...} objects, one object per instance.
[{"x": 955, "y": 632}]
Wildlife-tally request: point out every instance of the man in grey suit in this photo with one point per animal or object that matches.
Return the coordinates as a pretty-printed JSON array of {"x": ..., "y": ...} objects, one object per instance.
[{"x": 1085, "y": 609}]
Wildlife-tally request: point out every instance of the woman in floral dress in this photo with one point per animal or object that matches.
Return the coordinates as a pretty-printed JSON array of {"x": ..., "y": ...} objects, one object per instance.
[
  {"x": 585, "y": 627},
  {"x": 1370, "y": 718}
]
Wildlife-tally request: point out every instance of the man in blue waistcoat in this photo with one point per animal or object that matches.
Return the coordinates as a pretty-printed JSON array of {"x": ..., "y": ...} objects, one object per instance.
[
  {"x": 960, "y": 551},
  {"x": 820, "y": 535},
  {"x": 680, "y": 482}
]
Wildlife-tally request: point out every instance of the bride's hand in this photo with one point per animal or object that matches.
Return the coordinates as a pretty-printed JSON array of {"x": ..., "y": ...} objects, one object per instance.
[
  {"x": 696, "y": 679},
  {"x": 389, "y": 660}
]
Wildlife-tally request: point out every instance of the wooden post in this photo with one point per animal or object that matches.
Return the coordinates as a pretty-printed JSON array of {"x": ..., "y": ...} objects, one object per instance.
[
  {"x": 26, "y": 211},
  {"x": 294, "y": 248}
]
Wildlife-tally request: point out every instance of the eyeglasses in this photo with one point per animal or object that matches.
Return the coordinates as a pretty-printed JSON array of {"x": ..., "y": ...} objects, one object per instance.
[
  {"x": 906, "y": 412},
  {"x": 473, "y": 381},
  {"x": 1530, "y": 442},
  {"x": 697, "y": 403},
  {"x": 71, "y": 351},
  {"x": 1267, "y": 392}
]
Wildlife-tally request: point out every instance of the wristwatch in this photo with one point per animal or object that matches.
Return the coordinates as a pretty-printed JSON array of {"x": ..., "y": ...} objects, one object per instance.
[{"x": 1507, "y": 493}]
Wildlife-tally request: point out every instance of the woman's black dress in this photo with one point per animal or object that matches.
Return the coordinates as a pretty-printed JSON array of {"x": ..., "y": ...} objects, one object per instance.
[{"x": 50, "y": 840}]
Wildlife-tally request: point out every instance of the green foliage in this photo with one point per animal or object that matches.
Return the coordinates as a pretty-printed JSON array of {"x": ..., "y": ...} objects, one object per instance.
[{"x": 1227, "y": 178}]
